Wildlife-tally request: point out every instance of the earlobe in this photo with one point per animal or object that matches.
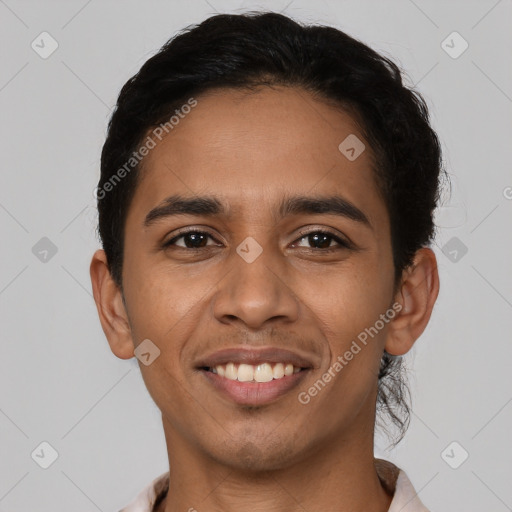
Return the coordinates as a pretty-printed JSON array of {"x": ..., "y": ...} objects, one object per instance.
[
  {"x": 417, "y": 295},
  {"x": 111, "y": 309}
]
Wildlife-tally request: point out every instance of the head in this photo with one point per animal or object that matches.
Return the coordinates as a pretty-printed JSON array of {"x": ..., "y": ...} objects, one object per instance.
[{"x": 240, "y": 116}]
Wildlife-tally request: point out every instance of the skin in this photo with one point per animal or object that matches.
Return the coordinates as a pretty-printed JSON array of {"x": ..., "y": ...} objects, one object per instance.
[{"x": 250, "y": 151}]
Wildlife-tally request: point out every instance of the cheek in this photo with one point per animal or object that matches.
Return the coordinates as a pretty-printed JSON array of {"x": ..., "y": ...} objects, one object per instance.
[
  {"x": 347, "y": 309},
  {"x": 157, "y": 298},
  {"x": 166, "y": 308},
  {"x": 163, "y": 309},
  {"x": 347, "y": 299}
]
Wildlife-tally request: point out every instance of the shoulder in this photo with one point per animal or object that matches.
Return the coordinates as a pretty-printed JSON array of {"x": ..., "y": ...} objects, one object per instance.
[
  {"x": 397, "y": 484},
  {"x": 150, "y": 495}
]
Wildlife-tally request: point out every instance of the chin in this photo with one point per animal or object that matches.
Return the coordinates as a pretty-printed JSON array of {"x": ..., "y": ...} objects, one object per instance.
[{"x": 253, "y": 457}]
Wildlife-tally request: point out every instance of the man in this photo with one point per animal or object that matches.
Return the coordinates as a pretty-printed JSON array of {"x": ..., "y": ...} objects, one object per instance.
[{"x": 266, "y": 208}]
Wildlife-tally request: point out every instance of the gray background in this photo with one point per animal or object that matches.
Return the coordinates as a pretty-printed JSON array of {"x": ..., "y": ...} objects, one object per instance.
[{"x": 60, "y": 383}]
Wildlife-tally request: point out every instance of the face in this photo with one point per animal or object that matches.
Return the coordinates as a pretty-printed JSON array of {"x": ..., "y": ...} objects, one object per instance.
[{"x": 251, "y": 267}]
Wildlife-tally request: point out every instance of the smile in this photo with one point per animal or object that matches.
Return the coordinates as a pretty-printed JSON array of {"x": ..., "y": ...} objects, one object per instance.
[
  {"x": 232, "y": 387},
  {"x": 264, "y": 372}
]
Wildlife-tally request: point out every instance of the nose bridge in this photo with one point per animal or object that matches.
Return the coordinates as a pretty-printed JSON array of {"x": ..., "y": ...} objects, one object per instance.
[{"x": 255, "y": 290}]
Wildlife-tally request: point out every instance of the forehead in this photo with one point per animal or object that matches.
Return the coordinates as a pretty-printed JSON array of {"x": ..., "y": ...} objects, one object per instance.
[{"x": 251, "y": 148}]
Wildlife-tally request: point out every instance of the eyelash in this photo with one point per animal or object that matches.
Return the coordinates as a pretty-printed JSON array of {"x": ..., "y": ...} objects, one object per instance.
[{"x": 343, "y": 244}]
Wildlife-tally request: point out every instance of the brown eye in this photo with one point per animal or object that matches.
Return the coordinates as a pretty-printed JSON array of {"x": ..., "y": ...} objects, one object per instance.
[
  {"x": 191, "y": 240},
  {"x": 323, "y": 240}
]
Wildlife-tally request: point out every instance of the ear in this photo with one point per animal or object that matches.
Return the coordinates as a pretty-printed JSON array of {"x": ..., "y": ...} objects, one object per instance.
[
  {"x": 417, "y": 294},
  {"x": 111, "y": 308}
]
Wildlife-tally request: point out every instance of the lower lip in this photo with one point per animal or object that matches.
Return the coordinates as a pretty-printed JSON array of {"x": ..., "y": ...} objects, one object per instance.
[{"x": 254, "y": 393}]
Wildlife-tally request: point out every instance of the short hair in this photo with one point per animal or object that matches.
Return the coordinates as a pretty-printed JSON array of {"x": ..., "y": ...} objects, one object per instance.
[{"x": 253, "y": 49}]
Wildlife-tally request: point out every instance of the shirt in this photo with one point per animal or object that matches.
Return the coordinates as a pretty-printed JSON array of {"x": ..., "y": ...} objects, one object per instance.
[{"x": 393, "y": 479}]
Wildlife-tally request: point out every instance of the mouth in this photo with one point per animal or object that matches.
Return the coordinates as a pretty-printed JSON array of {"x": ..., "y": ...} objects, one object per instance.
[
  {"x": 254, "y": 377},
  {"x": 253, "y": 392}
]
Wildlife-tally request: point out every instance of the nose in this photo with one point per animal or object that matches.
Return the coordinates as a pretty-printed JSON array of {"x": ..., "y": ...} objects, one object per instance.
[{"x": 256, "y": 293}]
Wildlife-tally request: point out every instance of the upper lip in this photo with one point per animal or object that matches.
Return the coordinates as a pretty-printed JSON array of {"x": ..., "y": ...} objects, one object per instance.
[{"x": 254, "y": 356}]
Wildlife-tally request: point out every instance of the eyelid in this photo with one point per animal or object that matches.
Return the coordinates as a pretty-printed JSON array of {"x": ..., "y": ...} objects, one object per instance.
[
  {"x": 186, "y": 231},
  {"x": 341, "y": 239}
]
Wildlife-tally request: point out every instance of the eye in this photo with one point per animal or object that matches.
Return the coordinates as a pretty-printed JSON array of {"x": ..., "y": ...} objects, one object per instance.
[
  {"x": 318, "y": 240},
  {"x": 191, "y": 240},
  {"x": 322, "y": 240}
]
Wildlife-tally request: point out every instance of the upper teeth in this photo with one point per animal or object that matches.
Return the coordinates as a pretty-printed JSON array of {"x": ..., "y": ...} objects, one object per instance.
[{"x": 263, "y": 372}]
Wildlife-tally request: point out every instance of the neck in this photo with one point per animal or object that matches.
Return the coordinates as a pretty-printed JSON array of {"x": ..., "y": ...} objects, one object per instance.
[{"x": 342, "y": 477}]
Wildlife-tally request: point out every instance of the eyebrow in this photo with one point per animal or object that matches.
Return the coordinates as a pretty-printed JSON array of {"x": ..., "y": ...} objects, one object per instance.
[
  {"x": 211, "y": 206},
  {"x": 179, "y": 205}
]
